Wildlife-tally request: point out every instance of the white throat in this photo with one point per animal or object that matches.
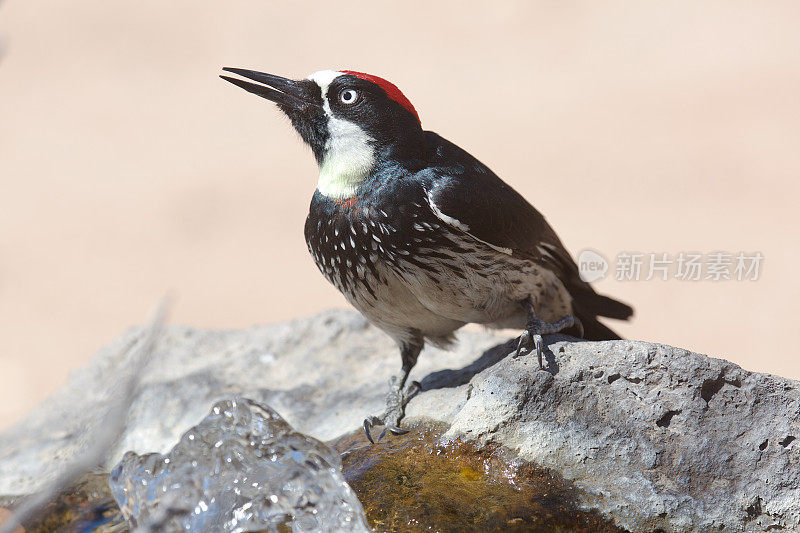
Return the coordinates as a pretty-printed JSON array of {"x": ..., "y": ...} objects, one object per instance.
[
  {"x": 349, "y": 159},
  {"x": 349, "y": 153}
]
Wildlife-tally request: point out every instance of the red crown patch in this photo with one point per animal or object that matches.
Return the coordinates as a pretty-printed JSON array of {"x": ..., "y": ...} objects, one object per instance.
[{"x": 388, "y": 87}]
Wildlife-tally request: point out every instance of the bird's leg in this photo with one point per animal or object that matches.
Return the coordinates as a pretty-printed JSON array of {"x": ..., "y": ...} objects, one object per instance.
[
  {"x": 535, "y": 328},
  {"x": 396, "y": 398}
]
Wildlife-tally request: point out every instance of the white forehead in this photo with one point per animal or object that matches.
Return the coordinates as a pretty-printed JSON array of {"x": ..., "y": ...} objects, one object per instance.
[{"x": 323, "y": 78}]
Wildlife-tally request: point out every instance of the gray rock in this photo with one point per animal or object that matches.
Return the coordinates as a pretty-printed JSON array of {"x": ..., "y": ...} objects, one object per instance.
[
  {"x": 323, "y": 375},
  {"x": 656, "y": 437}
]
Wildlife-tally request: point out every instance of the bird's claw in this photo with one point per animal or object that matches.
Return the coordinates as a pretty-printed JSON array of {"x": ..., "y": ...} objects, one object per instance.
[
  {"x": 395, "y": 407},
  {"x": 373, "y": 421},
  {"x": 525, "y": 339},
  {"x": 413, "y": 389},
  {"x": 369, "y": 422},
  {"x": 536, "y": 328}
]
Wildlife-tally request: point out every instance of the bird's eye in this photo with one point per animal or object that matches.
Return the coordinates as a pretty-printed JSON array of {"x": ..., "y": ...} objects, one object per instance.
[{"x": 348, "y": 96}]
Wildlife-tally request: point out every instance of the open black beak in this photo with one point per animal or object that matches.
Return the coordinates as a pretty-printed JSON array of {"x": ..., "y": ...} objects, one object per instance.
[{"x": 282, "y": 91}]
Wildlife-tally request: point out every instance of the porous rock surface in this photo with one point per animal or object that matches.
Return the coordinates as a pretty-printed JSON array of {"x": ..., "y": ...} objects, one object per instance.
[{"x": 654, "y": 437}]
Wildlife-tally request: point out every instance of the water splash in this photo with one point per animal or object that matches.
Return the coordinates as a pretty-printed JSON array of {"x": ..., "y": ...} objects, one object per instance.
[{"x": 243, "y": 468}]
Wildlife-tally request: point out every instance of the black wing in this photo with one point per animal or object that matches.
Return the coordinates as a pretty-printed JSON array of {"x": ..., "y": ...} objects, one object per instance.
[{"x": 467, "y": 192}]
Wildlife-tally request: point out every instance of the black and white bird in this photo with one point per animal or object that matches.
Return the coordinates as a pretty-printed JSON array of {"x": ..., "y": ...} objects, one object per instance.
[{"x": 419, "y": 236}]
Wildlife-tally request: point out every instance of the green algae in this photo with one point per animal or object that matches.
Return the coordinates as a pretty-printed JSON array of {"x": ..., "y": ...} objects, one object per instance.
[{"x": 419, "y": 482}]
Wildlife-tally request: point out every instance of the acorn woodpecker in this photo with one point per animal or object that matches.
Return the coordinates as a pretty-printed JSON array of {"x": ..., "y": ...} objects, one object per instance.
[{"x": 417, "y": 234}]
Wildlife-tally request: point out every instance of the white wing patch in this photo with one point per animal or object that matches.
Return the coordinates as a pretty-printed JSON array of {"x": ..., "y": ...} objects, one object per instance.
[
  {"x": 444, "y": 218},
  {"x": 450, "y": 221},
  {"x": 542, "y": 250}
]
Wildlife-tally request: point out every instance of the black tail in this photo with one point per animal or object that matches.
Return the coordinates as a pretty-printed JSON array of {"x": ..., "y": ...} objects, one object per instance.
[
  {"x": 594, "y": 330},
  {"x": 588, "y": 305}
]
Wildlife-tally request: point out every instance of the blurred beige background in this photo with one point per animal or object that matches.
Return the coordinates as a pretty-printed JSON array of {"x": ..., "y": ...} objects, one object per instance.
[{"x": 127, "y": 168}]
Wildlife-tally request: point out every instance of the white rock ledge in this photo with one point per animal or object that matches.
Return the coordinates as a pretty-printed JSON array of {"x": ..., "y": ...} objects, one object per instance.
[{"x": 656, "y": 437}]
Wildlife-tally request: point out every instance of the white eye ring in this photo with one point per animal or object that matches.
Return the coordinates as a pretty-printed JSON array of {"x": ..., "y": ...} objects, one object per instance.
[{"x": 348, "y": 96}]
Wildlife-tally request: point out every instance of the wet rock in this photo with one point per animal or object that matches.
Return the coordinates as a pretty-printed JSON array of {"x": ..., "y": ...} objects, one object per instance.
[
  {"x": 243, "y": 468},
  {"x": 86, "y": 505},
  {"x": 421, "y": 481},
  {"x": 654, "y": 437}
]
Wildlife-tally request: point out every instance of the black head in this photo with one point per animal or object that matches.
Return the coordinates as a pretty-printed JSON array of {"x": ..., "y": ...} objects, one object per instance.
[{"x": 352, "y": 121}]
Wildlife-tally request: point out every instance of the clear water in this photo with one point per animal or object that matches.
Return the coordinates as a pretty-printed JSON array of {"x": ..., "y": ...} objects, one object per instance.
[{"x": 243, "y": 468}]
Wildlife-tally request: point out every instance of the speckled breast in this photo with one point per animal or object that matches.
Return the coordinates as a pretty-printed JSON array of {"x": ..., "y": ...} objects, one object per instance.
[{"x": 356, "y": 245}]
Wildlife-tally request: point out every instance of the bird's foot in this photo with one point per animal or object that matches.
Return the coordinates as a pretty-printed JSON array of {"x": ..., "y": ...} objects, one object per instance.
[
  {"x": 396, "y": 401},
  {"x": 536, "y": 328}
]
